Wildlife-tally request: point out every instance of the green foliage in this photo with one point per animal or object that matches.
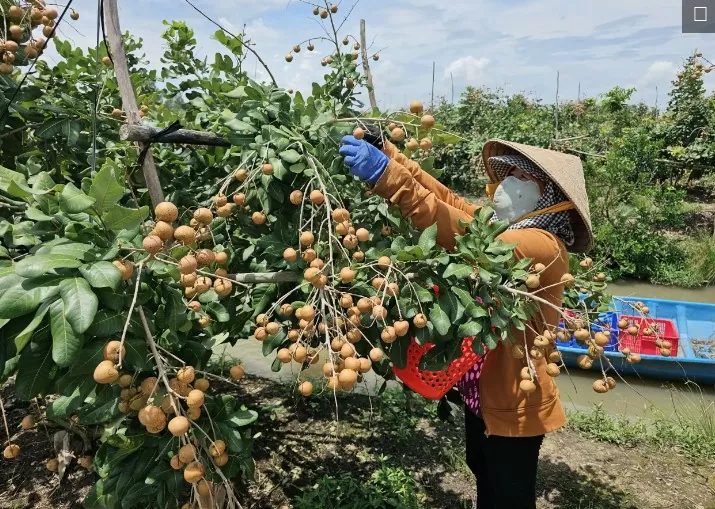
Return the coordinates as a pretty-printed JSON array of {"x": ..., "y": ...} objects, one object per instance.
[
  {"x": 387, "y": 488},
  {"x": 689, "y": 433}
]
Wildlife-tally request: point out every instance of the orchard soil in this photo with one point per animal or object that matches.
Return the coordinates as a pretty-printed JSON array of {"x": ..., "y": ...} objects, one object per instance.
[{"x": 301, "y": 442}]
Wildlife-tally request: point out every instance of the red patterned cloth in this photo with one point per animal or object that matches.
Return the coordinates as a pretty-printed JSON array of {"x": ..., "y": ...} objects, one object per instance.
[{"x": 468, "y": 386}]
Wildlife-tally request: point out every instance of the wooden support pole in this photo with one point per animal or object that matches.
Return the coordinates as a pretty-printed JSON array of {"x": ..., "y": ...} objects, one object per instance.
[
  {"x": 366, "y": 66},
  {"x": 144, "y": 133},
  {"x": 129, "y": 99}
]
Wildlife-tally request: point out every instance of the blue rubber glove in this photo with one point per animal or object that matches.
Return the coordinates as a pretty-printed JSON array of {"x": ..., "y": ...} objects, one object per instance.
[{"x": 365, "y": 161}]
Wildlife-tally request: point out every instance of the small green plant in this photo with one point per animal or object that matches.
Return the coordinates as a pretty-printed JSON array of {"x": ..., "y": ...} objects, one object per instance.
[{"x": 387, "y": 488}]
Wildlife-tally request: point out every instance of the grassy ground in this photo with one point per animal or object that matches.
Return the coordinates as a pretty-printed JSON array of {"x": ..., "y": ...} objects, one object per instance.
[{"x": 307, "y": 459}]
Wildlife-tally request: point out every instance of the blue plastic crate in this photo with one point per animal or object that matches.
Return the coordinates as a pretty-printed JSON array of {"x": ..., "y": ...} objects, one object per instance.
[{"x": 605, "y": 322}]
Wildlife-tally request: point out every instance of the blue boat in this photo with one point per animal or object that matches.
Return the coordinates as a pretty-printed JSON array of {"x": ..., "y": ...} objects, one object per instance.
[{"x": 695, "y": 360}]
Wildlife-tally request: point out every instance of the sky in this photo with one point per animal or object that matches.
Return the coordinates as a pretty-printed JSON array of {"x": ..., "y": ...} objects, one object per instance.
[{"x": 518, "y": 45}]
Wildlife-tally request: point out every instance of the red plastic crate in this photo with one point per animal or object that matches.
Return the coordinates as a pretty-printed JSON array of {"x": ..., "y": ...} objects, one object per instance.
[
  {"x": 435, "y": 384},
  {"x": 664, "y": 330}
]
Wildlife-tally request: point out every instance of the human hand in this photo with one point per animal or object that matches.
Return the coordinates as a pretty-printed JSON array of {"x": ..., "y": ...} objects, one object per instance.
[{"x": 365, "y": 161}]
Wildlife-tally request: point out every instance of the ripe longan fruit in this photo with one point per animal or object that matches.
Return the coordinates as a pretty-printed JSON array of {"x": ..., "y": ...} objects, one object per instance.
[
  {"x": 186, "y": 374},
  {"x": 359, "y": 133},
  {"x": 427, "y": 121},
  {"x": 111, "y": 351},
  {"x": 425, "y": 144},
  {"x": 152, "y": 244},
  {"x": 239, "y": 199},
  {"x": 347, "y": 275},
  {"x": 241, "y": 175},
  {"x": 193, "y": 472},
  {"x": 296, "y": 197},
  {"x": 568, "y": 280},
  {"x": 307, "y": 238},
  {"x": 527, "y": 386},
  {"x": 533, "y": 281},
  {"x": 283, "y": 355},
  {"x": 258, "y": 218},
  {"x": 28, "y": 422},
  {"x": 202, "y": 384},
  {"x": 178, "y": 426},
  {"x": 305, "y": 389},
  {"x": 362, "y": 234},
  {"x": 237, "y": 373},
  {"x": 52, "y": 465},
  {"x": 105, "y": 372},
  {"x": 350, "y": 241},
  {"x": 185, "y": 234},
  {"x": 316, "y": 197},
  {"x": 600, "y": 386},
  {"x": 195, "y": 399},
  {"x": 267, "y": 169},
  {"x": 416, "y": 107},
  {"x": 397, "y": 135},
  {"x": 221, "y": 460},
  {"x": 203, "y": 216},
  {"x": 217, "y": 448},
  {"x": 12, "y": 451},
  {"x": 176, "y": 463},
  {"x": 412, "y": 145},
  {"x": 401, "y": 327},
  {"x": 420, "y": 321},
  {"x": 358, "y": 256}
]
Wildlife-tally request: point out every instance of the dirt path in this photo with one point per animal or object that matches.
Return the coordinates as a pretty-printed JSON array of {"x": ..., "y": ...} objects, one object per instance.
[{"x": 300, "y": 442}]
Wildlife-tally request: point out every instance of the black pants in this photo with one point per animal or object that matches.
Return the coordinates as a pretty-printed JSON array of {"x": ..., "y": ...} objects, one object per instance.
[{"x": 505, "y": 467}]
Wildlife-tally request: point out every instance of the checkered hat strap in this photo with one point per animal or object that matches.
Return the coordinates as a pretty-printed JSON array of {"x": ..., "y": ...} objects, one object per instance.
[{"x": 559, "y": 223}]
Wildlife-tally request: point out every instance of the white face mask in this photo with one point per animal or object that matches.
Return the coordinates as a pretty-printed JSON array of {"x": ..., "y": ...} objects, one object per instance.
[{"x": 514, "y": 198}]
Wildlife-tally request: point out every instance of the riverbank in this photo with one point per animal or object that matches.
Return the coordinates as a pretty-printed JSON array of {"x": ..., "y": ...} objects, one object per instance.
[{"x": 396, "y": 447}]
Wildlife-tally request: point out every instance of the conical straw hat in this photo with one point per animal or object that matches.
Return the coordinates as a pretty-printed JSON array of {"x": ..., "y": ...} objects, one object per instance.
[{"x": 565, "y": 170}]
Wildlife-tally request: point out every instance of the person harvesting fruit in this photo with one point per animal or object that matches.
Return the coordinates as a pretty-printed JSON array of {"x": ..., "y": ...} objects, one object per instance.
[{"x": 510, "y": 396}]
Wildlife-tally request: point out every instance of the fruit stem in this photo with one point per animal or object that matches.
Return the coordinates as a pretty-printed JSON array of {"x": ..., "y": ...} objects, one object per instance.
[
  {"x": 157, "y": 358},
  {"x": 129, "y": 314},
  {"x": 4, "y": 418}
]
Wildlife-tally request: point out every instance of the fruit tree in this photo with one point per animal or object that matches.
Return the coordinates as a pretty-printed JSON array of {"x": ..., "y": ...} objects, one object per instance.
[{"x": 114, "y": 302}]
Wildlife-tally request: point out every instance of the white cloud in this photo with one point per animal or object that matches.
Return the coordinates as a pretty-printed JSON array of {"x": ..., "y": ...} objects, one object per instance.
[
  {"x": 469, "y": 68},
  {"x": 658, "y": 71}
]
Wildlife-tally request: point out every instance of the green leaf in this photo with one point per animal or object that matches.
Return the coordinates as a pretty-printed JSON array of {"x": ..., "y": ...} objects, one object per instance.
[
  {"x": 80, "y": 303},
  {"x": 41, "y": 264},
  {"x": 440, "y": 319},
  {"x": 239, "y": 125},
  {"x": 88, "y": 358},
  {"x": 398, "y": 352},
  {"x": 66, "y": 343},
  {"x": 218, "y": 311},
  {"x": 104, "y": 408},
  {"x": 106, "y": 190},
  {"x": 34, "y": 370},
  {"x": 101, "y": 275},
  {"x": 290, "y": 156},
  {"x": 136, "y": 358},
  {"x": 67, "y": 248},
  {"x": 122, "y": 218},
  {"x": 107, "y": 323},
  {"x": 428, "y": 239},
  {"x": 24, "y": 295},
  {"x": 243, "y": 418},
  {"x": 26, "y": 334},
  {"x": 73, "y": 200},
  {"x": 37, "y": 215},
  {"x": 458, "y": 270},
  {"x": 423, "y": 294},
  {"x": 469, "y": 329},
  {"x": 64, "y": 406}
]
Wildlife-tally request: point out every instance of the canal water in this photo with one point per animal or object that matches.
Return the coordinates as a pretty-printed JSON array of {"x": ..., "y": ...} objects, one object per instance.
[{"x": 635, "y": 397}]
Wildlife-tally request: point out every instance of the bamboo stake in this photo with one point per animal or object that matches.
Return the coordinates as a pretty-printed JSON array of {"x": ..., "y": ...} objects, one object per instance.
[
  {"x": 129, "y": 99},
  {"x": 366, "y": 66}
]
